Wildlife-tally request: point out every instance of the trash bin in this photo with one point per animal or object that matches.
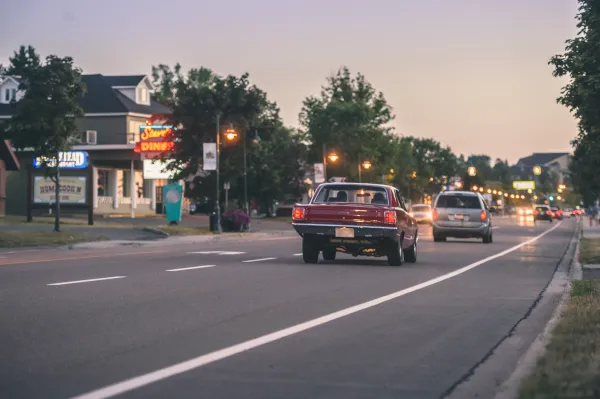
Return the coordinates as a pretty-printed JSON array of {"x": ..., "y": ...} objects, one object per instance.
[{"x": 212, "y": 221}]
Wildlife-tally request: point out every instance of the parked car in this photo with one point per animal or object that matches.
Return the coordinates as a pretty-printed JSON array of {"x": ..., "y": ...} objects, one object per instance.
[
  {"x": 421, "y": 213},
  {"x": 461, "y": 214},
  {"x": 357, "y": 219},
  {"x": 543, "y": 212}
]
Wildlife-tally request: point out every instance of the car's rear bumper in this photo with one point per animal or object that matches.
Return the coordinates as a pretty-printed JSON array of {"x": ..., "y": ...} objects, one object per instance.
[
  {"x": 461, "y": 232},
  {"x": 329, "y": 230}
]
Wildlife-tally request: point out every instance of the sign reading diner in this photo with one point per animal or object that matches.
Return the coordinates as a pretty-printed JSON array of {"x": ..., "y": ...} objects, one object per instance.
[{"x": 155, "y": 138}]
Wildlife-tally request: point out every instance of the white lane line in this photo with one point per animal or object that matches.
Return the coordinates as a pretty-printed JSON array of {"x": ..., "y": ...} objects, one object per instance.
[
  {"x": 495, "y": 227},
  {"x": 300, "y": 254},
  {"x": 257, "y": 260},
  {"x": 191, "y": 364},
  {"x": 215, "y": 253},
  {"x": 87, "y": 281},
  {"x": 190, "y": 268}
]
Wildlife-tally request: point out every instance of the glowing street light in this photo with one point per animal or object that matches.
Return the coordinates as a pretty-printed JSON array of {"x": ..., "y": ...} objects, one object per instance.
[
  {"x": 333, "y": 157},
  {"x": 472, "y": 171},
  {"x": 474, "y": 188},
  {"x": 366, "y": 164},
  {"x": 231, "y": 134},
  {"x": 537, "y": 170}
]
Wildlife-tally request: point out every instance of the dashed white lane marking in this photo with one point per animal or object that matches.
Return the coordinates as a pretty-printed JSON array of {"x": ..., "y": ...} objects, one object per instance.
[
  {"x": 87, "y": 281},
  {"x": 495, "y": 227},
  {"x": 216, "y": 253},
  {"x": 190, "y": 268},
  {"x": 300, "y": 254},
  {"x": 191, "y": 364},
  {"x": 257, "y": 260}
]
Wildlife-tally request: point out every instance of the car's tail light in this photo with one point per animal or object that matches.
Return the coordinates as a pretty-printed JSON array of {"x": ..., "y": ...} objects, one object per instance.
[
  {"x": 549, "y": 213},
  {"x": 535, "y": 212},
  {"x": 298, "y": 213},
  {"x": 483, "y": 216},
  {"x": 434, "y": 214},
  {"x": 389, "y": 217}
]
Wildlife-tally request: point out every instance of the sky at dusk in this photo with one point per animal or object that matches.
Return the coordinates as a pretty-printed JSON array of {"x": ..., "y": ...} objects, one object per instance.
[{"x": 472, "y": 74}]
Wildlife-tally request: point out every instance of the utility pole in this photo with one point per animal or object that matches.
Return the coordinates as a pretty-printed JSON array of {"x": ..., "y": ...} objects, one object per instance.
[
  {"x": 324, "y": 164},
  {"x": 244, "y": 137},
  {"x": 218, "y": 191}
]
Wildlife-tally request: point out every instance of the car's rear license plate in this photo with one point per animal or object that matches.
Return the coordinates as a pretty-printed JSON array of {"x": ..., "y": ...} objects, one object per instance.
[
  {"x": 459, "y": 217},
  {"x": 344, "y": 232}
]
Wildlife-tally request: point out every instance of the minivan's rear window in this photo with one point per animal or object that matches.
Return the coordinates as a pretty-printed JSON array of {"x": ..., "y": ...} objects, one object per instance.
[{"x": 458, "y": 201}]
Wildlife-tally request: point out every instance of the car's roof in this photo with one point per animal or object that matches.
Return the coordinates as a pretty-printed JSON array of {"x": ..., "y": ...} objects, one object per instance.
[
  {"x": 542, "y": 205},
  {"x": 356, "y": 184},
  {"x": 456, "y": 192}
]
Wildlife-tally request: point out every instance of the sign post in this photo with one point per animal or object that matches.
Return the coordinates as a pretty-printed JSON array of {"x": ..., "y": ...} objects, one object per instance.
[{"x": 226, "y": 187}]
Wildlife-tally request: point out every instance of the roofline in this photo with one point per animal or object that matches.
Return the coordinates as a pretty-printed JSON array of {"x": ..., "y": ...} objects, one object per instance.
[
  {"x": 101, "y": 114},
  {"x": 11, "y": 78}
]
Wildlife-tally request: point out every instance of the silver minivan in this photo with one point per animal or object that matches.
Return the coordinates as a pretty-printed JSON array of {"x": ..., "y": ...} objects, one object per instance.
[{"x": 461, "y": 214}]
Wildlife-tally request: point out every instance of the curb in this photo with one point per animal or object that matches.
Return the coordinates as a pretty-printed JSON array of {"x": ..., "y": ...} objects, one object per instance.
[
  {"x": 495, "y": 377},
  {"x": 199, "y": 239},
  {"x": 526, "y": 364}
]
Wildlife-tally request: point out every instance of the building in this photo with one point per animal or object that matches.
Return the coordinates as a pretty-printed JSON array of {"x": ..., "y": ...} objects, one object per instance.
[
  {"x": 116, "y": 109},
  {"x": 8, "y": 162},
  {"x": 556, "y": 163}
]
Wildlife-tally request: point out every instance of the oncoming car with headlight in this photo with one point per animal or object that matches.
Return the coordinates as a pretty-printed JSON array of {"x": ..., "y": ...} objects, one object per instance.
[{"x": 421, "y": 213}]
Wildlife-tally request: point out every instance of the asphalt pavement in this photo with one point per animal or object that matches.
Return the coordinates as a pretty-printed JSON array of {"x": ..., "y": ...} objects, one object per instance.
[{"x": 248, "y": 319}]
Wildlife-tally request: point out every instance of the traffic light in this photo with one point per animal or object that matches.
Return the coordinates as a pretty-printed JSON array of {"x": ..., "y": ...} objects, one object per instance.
[{"x": 551, "y": 198}]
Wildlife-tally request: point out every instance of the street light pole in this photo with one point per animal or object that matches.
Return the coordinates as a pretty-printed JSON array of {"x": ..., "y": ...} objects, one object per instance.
[
  {"x": 218, "y": 191},
  {"x": 359, "y": 173},
  {"x": 245, "y": 176},
  {"x": 324, "y": 164}
]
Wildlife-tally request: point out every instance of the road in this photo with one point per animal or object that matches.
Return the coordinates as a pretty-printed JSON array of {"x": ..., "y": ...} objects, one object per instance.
[{"x": 83, "y": 320}]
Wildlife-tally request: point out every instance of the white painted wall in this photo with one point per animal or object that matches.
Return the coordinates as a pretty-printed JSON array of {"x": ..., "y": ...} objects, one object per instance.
[
  {"x": 128, "y": 92},
  {"x": 12, "y": 87}
]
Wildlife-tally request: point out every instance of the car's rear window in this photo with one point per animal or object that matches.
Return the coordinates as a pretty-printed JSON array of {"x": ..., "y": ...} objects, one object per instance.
[
  {"x": 458, "y": 201},
  {"x": 542, "y": 208},
  {"x": 353, "y": 194},
  {"x": 420, "y": 208}
]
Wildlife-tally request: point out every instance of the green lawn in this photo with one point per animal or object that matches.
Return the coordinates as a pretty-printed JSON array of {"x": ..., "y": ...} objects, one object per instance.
[
  {"x": 589, "y": 251},
  {"x": 570, "y": 368},
  {"x": 14, "y": 239},
  {"x": 176, "y": 230}
]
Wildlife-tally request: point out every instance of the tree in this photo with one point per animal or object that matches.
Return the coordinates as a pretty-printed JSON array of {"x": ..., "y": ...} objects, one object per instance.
[
  {"x": 45, "y": 118},
  {"x": 501, "y": 173},
  {"x": 580, "y": 63},
  {"x": 352, "y": 118},
  {"x": 196, "y": 98}
]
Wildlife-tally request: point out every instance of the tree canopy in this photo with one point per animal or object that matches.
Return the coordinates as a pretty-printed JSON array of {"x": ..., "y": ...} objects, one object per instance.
[{"x": 581, "y": 95}]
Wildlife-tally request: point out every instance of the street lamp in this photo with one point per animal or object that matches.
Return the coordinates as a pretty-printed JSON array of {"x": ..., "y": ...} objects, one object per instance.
[
  {"x": 537, "y": 170},
  {"x": 472, "y": 171},
  {"x": 333, "y": 157},
  {"x": 230, "y": 135},
  {"x": 367, "y": 165}
]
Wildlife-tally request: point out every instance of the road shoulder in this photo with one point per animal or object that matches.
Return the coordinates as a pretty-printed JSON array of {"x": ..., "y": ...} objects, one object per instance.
[{"x": 496, "y": 375}]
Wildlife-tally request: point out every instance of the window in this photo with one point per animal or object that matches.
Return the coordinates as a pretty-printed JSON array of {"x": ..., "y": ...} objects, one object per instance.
[
  {"x": 458, "y": 201},
  {"x": 7, "y": 95},
  {"x": 14, "y": 94},
  {"x": 355, "y": 194},
  {"x": 104, "y": 188},
  {"x": 142, "y": 96},
  {"x": 126, "y": 184}
]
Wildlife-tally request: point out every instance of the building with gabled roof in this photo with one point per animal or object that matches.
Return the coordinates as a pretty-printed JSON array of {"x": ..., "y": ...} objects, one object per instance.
[
  {"x": 554, "y": 162},
  {"x": 115, "y": 108}
]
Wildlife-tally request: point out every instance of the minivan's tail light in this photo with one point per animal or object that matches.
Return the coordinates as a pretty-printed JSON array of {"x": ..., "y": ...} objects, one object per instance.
[
  {"x": 483, "y": 216},
  {"x": 434, "y": 215},
  {"x": 549, "y": 213},
  {"x": 389, "y": 217},
  {"x": 298, "y": 213}
]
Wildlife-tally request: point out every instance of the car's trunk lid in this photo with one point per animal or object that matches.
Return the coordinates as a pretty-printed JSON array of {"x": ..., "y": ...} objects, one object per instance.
[{"x": 345, "y": 214}]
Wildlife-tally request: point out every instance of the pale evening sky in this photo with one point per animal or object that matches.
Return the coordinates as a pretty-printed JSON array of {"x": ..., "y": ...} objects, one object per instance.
[{"x": 472, "y": 74}]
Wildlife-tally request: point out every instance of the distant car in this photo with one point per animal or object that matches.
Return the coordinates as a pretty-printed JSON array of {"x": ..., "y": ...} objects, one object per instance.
[
  {"x": 543, "y": 212},
  {"x": 525, "y": 211},
  {"x": 357, "y": 219},
  {"x": 567, "y": 212},
  {"x": 421, "y": 213},
  {"x": 557, "y": 213},
  {"x": 461, "y": 214}
]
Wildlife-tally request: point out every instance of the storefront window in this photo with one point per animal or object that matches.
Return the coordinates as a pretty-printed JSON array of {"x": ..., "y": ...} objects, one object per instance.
[
  {"x": 104, "y": 189},
  {"x": 126, "y": 184}
]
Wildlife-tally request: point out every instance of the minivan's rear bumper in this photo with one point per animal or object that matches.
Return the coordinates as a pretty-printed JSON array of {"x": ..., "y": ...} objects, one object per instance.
[
  {"x": 461, "y": 232},
  {"x": 328, "y": 230}
]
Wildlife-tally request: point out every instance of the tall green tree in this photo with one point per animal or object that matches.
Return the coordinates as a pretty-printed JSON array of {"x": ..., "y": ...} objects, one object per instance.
[
  {"x": 196, "y": 99},
  {"x": 45, "y": 118},
  {"x": 581, "y": 64},
  {"x": 351, "y": 118}
]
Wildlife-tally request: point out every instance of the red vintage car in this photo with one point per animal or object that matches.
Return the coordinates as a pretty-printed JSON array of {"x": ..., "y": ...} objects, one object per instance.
[{"x": 358, "y": 219}]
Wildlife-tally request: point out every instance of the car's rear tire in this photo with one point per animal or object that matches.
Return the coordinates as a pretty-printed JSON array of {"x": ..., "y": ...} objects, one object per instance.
[
  {"x": 329, "y": 253},
  {"x": 438, "y": 238},
  {"x": 396, "y": 255},
  {"x": 487, "y": 238},
  {"x": 310, "y": 250},
  {"x": 410, "y": 254}
]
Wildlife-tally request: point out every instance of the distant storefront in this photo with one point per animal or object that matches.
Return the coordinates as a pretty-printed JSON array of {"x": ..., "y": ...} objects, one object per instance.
[{"x": 8, "y": 162}]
